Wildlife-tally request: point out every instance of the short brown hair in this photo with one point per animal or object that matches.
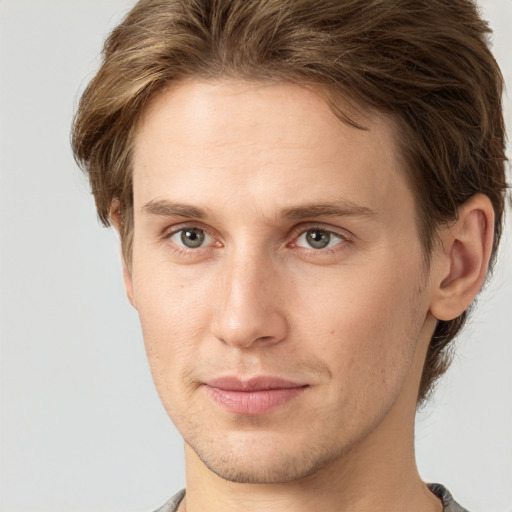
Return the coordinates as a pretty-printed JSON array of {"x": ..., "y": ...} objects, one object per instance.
[{"x": 425, "y": 63}]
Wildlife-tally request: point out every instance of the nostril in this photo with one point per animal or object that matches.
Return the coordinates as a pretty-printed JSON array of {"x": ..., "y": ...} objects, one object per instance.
[{"x": 263, "y": 338}]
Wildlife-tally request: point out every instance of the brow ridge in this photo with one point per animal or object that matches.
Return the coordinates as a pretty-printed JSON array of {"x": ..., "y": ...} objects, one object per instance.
[
  {"x": 329, "y": 209},
  {"x": 343, "y": 208},
  {"x": 168, "y": 208}
]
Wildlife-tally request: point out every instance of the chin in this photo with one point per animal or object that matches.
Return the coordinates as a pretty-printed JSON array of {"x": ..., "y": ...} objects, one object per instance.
[
  {"x": 264, "y": 462},
  {"x": 257, "y": 471}
]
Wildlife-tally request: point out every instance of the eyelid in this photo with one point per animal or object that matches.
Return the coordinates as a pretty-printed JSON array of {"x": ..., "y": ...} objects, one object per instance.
[
  {"x": 207, "y": 239},
  {"x": 344, "y": 235},
  {"x": 345, "y": 239},
  {"x": 310, "y": 226},
  {"x": 169, "y": 232}
]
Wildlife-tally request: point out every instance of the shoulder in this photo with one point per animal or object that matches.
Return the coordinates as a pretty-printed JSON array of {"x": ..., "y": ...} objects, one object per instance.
[
  {"x": 173, "y": 504},
  {"x": 450, "y": 505}
]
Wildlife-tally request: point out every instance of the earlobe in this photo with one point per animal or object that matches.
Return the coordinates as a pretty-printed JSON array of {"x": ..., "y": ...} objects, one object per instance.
[
  {"x": 463, "y": 258},
  {"x": 116, "y": 219}
]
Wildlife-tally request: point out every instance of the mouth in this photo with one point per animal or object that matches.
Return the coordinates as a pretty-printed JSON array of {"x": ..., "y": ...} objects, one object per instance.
[{"x": 252, "y": 397}]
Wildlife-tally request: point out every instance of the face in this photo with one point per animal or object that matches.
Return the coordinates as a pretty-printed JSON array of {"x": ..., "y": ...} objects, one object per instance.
[{"x": 278, "y": 276}]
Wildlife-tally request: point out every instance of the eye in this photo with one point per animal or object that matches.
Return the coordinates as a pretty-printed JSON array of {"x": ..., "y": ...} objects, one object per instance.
[
  {"x": 191, "y": 238},
  {"x": 318, "y": 239}
]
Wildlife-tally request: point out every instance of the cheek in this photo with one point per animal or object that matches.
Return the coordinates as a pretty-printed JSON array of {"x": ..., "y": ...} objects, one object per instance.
[
  {"x": 366, "y": 326},
  {"x": 174, "y": 317}
]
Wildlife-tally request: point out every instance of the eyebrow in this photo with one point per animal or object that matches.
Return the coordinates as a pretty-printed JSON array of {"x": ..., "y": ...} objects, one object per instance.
[
  {"x": 329, "y": 209},
  {"x": 343, "y": 208},
  {"x": 170, "y": 209}
]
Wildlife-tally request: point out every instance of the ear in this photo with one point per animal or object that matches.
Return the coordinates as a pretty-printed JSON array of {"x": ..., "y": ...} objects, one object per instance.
[
  {"x": 116, "y": 219},
  {"x": 463, "y": 258}
]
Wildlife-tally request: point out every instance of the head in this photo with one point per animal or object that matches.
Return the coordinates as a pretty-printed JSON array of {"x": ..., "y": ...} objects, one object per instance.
[{"x": 422, "y": 67}]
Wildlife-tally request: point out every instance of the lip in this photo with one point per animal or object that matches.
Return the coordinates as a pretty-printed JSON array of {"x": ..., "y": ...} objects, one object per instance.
[{"x": 255, "y": 396}]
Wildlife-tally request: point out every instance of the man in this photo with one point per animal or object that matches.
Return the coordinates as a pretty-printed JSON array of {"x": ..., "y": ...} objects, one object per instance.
[{"x": 309, "y": 195}]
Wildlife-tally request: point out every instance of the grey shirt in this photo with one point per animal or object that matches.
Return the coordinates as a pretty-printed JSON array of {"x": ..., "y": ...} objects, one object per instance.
[{"x": 450, "y": 505}]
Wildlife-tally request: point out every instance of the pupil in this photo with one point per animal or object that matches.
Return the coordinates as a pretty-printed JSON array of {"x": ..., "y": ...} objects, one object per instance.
[
  {"x": 192, "y": 238},
  {"x": 318, "y": 239}
]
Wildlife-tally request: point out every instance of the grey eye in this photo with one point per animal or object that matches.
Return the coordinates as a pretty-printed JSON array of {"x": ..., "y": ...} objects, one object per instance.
[
  {"x": 318, "y": 239},
  {"x": 191, "y": 238}
]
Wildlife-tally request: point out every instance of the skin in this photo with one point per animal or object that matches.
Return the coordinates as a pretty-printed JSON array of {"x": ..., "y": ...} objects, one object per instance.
[{"x": 252, "y": 168}]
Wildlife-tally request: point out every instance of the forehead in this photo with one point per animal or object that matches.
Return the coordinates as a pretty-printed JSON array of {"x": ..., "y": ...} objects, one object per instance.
[
  {"x": 252, "y": 135},
  {"x": 241, "y": 105}
]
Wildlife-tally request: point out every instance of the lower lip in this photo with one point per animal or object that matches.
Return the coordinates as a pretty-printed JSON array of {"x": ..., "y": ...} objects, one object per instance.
[{"x": 253, "y": 402}]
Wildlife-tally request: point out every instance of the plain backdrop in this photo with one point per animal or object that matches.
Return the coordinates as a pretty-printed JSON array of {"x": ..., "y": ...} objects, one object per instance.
[{"x": 82, "y": 429}]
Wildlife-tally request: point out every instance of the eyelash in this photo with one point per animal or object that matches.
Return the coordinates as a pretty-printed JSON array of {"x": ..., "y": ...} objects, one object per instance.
[
  {"x": 344, "y": 239},
  {"x": 186, "y": 251}
]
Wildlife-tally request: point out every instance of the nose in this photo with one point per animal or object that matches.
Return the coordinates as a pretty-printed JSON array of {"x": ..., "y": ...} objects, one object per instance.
[{"x": 250, "y": 307}]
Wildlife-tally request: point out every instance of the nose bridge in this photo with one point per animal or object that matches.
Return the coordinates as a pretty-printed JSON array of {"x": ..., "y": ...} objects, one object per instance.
[{"x": 249, "y": 310}]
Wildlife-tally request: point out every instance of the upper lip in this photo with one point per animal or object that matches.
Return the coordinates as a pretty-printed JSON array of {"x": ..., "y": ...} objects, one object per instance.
[{"x": 262, "y": 383}]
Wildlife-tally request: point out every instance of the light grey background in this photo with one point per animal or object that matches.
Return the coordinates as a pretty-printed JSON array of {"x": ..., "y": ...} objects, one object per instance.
[{"x": 81, "y": 426}]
